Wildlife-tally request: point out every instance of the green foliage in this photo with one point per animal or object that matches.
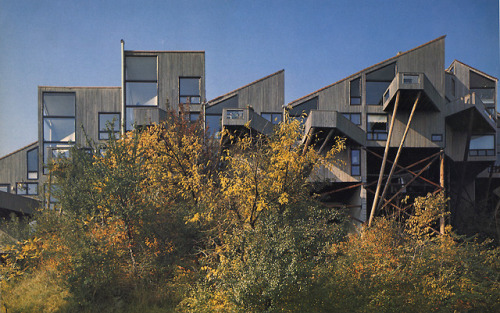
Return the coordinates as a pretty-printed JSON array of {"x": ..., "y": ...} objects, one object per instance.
[{"x": 168, "y": 221}]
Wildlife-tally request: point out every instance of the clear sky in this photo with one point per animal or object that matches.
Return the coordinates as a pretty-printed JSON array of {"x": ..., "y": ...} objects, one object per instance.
[{"x": 77, "y": 43}]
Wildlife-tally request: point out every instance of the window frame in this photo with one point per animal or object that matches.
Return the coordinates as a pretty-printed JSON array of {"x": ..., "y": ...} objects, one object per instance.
[
  {"x": 435, "y": 136},
  {"x": 141, "y": 81},
  {"x": 26, "y": 188},
  {"x": 273, "y": 116},
  {"x": 348, "y": 115},
  {"x": 356, "y": 165},
  {"x": 387, "y": 82},
  {"x": 106, "y": 131},
  {"x": 28, "y": 172},
  {"x": 377, "y": 135},
  {"x": 48, "y": 116},
  {"x": 351, "y": 97},
  {"x": 190, "y": 95},
  {"x": 482, "y": 152}
]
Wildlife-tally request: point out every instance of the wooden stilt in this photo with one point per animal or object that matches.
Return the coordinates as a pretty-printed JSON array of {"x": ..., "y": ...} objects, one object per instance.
[
  {"x": 382, "y": 167},
  {"x": 330, "y": 134},
  {"x": 411, "y": 181},
  {"x": 386, "y": 187},
  {"x": 441, "y": 182},
  {"x": 407, "y": 168},
  {"x": 308, "y": 140},
  {"x": 464, "y": 166}
]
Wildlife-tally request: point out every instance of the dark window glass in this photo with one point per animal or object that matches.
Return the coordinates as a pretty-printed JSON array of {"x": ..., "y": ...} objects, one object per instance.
[
  {"x": 482, "y": 145},
  {"x": 410, "y": 79},
  {"x": 355, "y": 162},
  {"x": 375, "y": 92},
  {"x": 5, "y": 187},
  {"x": 193, "y": 117},
  {"x": 377, "y": 83},
  {"x": 214, "y": 125},
  {"x": 304, "y": 108},
  {"x": 437, "y": 137},
  {"x": 483, "y": 87},
  {"x": 355, "y": 91},
  {"x": 229, "y": 103},
  {"x": 274, "y": 118},
  {"x": 109, "y": 123},
  {"x": 353, "y": 117},
  {"x": 189, "y": 90},
  {"x": 32, "y": 160}
]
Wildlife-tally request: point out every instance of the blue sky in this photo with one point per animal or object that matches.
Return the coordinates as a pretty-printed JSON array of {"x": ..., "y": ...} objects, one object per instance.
[{"x": 77, "y": 43}]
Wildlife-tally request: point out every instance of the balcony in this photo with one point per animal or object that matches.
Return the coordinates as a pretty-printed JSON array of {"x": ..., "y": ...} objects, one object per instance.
[
  {"x": 245, "y": 118},
  {"x": 459, "y": 112},
  {"x": 409, "y": 85},
  {"x": 319, "y": 123}
]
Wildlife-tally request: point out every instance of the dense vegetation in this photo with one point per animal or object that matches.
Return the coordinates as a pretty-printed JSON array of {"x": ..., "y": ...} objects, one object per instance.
[{"x": 165, "y": 221}]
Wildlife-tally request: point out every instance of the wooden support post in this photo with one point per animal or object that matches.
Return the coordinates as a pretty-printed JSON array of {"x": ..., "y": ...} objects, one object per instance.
[
  {"x": 388, "y": 183},
  {"x": 464, "y": 166},
  {"x": 411, "y": 181},
  {"x": 330, "y": 134},
  {"x": 441, "y": 182},
  {"x": 382, "y": 167},
  {"x": 308, "y": 140}
]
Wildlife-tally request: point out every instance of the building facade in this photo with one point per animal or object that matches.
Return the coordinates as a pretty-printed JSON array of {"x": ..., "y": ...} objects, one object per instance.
[{"x": 437, "y": 125}]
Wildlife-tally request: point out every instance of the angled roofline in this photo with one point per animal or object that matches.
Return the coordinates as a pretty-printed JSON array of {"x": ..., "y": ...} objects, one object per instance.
[
  {"x": 83, "y": 87},
  {"x": 18, "y": 150},
  {"x": 162, "y": 51},
  {"x": 231, "y": 93},
  {"x": 364, "y": 70},
  {"x": 472, "y": 68}
]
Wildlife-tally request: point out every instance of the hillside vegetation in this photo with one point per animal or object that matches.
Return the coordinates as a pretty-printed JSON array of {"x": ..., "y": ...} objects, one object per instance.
[{"x": 167, "y": 221}]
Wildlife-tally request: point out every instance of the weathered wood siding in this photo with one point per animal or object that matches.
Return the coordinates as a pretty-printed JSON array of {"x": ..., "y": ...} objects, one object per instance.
[
  {"x": 266, "y": 95},
  {"x": 14, "y": 168}
]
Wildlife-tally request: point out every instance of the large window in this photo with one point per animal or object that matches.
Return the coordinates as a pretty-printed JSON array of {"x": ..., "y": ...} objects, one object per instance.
[
  {"x": 189, "y": 90},
  {"x": 355, "y": 162},
  {"x": 355, "y": 91},
  {"x": 301, "y": 111},
  {"x": 109, "y": 123},
  {"x": 141, "y": 83},
  {"x": 483, "y": 87},
  {"x": 27, "y": 189},
  {"x": 482, "y": 145},
  {"x": 377, "y": 83},
  {"x": 376, "y": 127},
  {"x": 58, "y": 122},
  {"x": 32, "y": 163}
]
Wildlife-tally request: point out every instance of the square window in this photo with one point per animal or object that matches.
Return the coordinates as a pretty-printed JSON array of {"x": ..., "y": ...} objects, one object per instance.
[
  {"x": 141, "y": 68},
  {"x": 109, "y": 123},
  {"x": 376, "y": 127},
  {"x": 60, "y": 104},
  {"x": 189, "y": 90}
]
